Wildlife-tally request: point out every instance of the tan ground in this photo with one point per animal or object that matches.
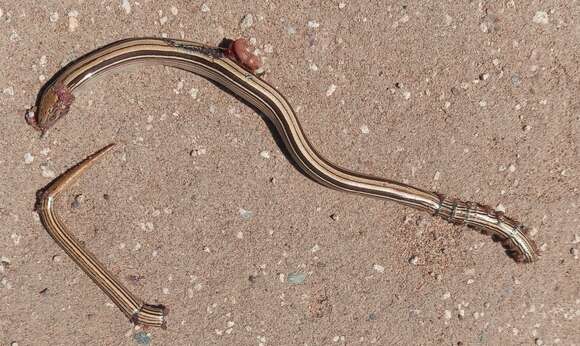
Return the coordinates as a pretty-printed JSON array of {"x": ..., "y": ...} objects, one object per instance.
[{"x": 477, "y": 99}]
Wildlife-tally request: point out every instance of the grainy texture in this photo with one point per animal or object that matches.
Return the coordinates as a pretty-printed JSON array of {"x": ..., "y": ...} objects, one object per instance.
[{"x": 199, "y": 209}]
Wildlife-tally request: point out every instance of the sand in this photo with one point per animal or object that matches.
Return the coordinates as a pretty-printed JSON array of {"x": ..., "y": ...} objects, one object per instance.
[{"x": 198, "y": 208}]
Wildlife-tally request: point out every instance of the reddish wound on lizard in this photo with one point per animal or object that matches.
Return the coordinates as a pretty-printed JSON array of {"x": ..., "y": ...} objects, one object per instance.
[{"x": 240, "y": 50}]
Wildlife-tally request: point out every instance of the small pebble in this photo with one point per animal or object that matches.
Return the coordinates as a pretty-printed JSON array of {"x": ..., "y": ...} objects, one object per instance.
[
  {"x": 364, "y": 129},
  {"x": 193, "y": 92},
  {"x": 240, "y": 235},
  {"x": 406, "y": 95},
  {"x": 247, "y": 21},
  {"x": 245, "y": 214},
  {"x": 204, "y": 8},
  {"x": 142, "y": 338},
  {"x": 334, "y": 217},
  {"x": 512, "y": 168},
  {"x": 43, "y": 60},
  {"x": 53, "y": 17},
  {"x": 198, "y": 152},
  {"x": 126, "y": 6},
  {"x": 8, "y": 91},
  {"x": 379, "y": 268},
  {"x": 541, "y": 17},
  {"x": 437, "y": 175},
  {"x": 312, "y": 24},
  {"x": 56, "y": 259},
  {"x": 296, "y": 278},
  {"x": 47, "y": 172},
  {"x": 331, "y": 89},
  {"x": 484, "y": 27},
  {"x": 315, "y": 248},
  {"x": 163, "y": 20},
  {"x": 77, "y": 201},
  {"x": 574, "y": 252},
  {"x": 576, "y": 239},
  {"x": 173, "y": 10},
  {"x": 265, "y": 154},
  {"x": 341, "y": 5},
  {"x": 539, "y": 341},
  {"x": 28, "y": 158},
  {"x": 15, "y": 238},
  {"x": 500, "y": 207},
  {"x": 73, "y": 22},
  {"x": 414, "y": 260}
]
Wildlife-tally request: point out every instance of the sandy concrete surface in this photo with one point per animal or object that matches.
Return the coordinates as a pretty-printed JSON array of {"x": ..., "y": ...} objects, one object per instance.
[{"x": 198, "y": 208}]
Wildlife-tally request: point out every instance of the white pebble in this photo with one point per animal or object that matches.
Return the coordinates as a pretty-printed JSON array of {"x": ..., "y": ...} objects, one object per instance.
[
  {"x": 341, "y": 5},
  {"x": 447, "y": 314},
  {"x": 126, "y": 6},
  {"x": 165, "y": 290},
  {"x": 404, "y": 19},
  {"x": 512, "y": 168},
  {"x": 315, "y": 248},
  {"x": 163, "y": 20},
  {"x": 406, "y": 95},
  {"x": 193, "y": 92},
  {"x": 446, "y": 296},
  {"x": 331, "y": 89},
  {"x": 541, "y": 17},
  {"x": 437, "y": 175},
  {"x": 312, "y": 66},
  {"x": 204, "y": 8},
  {"x": 312, "y": 24},
  {"x": 482, "y": 103},
  {"x": 484, "y": 27},
  {"x": 240, "y": 235},
  {"x": 14, "y": 36},
  {"x": 379, "y": 268},
  {"x": 16, "y": 238},
  {"x": 174, "y": 10},
  {"x": 265, "y": 154},
  {"x": 247, "y": 21},
  {"x": 43, "y": 60},
  {"x": 8, "y": 91},
  {"x": 414, "y": 260},
  {"x": 47, "y": 172},
  {"x": 53, "y": 17},
  {"x": 576, "y": 239},
  {"x": 28, "y": 158},
  {"x": 500, "y": 207},
  {"x": 245, "y": 214},
  {"x": 364, "y": 129},
  {"x": 73, "y": 22}
]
